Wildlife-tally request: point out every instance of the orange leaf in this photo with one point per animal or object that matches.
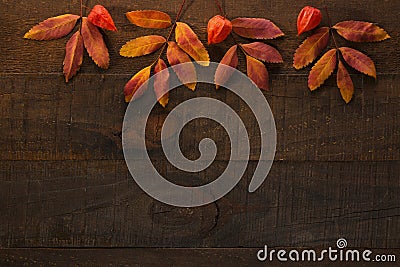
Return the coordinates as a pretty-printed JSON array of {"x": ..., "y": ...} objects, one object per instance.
[
  {"x": 149, "y": 19},
  {"x": 322, "y": 69},
  {"x": 186, "y": 74},
  {"x": 137, "y": 85},
  {"x": 257, "y": 72},
  {"x": 223, "y": 74},
  {"x": 256, "y": 28},
  {"x": 142, "y": 46},
  {"x": 309, "y": 50},
  {"x": 361, "y": 31},
  {"x": 359, "y": 61},
  {"x": 263, "y": 52},
  {"x": 161, "y": 83},
  {"x": 53, "y": 28},
  {"x": 345, "y": 83},
  {"x": 95, "y": 44},
  {"x": 190, "y": 43},
  {"x": 74, "y": 56},
  {"x": 100, "y": 17}
]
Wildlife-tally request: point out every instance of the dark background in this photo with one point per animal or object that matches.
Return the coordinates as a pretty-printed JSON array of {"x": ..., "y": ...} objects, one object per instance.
[{"x": 67, "y": 198}]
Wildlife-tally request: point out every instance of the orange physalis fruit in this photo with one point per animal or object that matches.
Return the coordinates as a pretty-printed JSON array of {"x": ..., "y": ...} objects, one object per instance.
[
  {"x": 308, "y": 19},
  {"x": 100, "y": 17},
  {"x": 218, "y": 29}
]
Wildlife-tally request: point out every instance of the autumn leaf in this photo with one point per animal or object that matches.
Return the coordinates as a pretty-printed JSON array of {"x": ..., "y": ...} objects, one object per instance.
[
  {"x": 256, "y": 28},
  {"x": 74, "y": 56},
  {"x": 142, "y": 46},
  {"x": 309, "y": 50},
  {"x": 263, "y": 52},
  {"x": 138, "y": 82},
  {"x": 222, "y": 74},
  {"x": 345, "y": 83},
  {"x": 257, "y": 72},
  {"x": 161, "y": 82},
  {"x": 149, "y": 19},
  {"x": 187, "y": 73},
  {"x": 322, "y": 69},
  {"x": 100, "y": 17},
  {"x": 95, "y": 44},
  {"x": 358, "y": 61},
  {"x": 53, "y": 28},
  {"x": 361, "y": 31},
  {"x": 190, "y": 43},
  {"x": 309, "y": 18}
]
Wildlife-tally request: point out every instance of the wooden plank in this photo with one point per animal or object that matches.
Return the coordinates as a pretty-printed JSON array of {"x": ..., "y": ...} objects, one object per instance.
[
  {"x": 17, "y": 54},
  {"x": 159, "y": 257},
  {"x": 97, "y": 203},
  {"x": 41, "y": 118}
]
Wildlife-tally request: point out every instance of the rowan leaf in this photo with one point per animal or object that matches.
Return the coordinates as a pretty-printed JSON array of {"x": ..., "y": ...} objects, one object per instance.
[
  {"x": 190, "y": 43},
  {"x": 358, "y": 61},
  {"x": 345, "y": 83},
  {"x": 149, "y": 19},
  {"x": 161, "y": 83},
  {"x": 136, "y": 87},
  {"x": 322, "y": 69},
  {"x": 256, "y": 28},
  {"x": 257, "y": 72},
  {"x": 263, "y": 52},
  {"x": 53, "y": 28},
  {"x": 73, "y": 56},
  {"x": 222, "y": 74},
  {"x": 361, "y": 31},
  {"x": 187, "y": 73},
  {"x": 309, "y": 50},
  {"x": 100, "y": 17},
  {"x": 142, "y": 46},
  {"x": 94, "y": 43}
]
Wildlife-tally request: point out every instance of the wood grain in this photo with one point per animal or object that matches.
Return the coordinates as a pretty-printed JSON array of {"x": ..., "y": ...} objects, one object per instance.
[
  {"x": 155, "y": 257},
  {"x": 67, "y": 198}
]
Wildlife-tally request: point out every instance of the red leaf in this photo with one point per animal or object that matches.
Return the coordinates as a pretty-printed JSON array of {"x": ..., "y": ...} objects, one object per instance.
[
  {"x": 345, "y": 83},
  {"x": 149, "y": 19},
  {"x": 256, "y": 28},
  {"x": 257, "y": 72},
  {"x": 74, "y": 56},
  {"x": 308, "y": 19},
  {"x": 138, "y": 81},
  {"x": 161, "y": 83},
  {"x": 95, "y": 44},
  {"x": 218, "y": 29},
  {"x": 190, "y": 43},
  {"x": 263, "y": 52},
  {"x": 358, "y": 61},
  {"x": 187, "y": 73},
  {"x": 53, "y": 28},
  {"x": 322, "y": 69},
  {"x": 100, "y": 17},
  {"x": 222, "y": 74},
  {"x": 309, "y": 50},
  {"x": 361, "y": 31}
]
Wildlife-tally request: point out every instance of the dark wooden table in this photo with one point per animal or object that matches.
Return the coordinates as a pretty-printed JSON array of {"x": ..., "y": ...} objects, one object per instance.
[{"x": 67, "y": 198}]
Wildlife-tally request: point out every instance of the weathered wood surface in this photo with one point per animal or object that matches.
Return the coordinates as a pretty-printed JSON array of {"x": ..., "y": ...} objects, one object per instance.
[
  {"x": 156, "y": 257},
  {"x": 64, "y": 183}
]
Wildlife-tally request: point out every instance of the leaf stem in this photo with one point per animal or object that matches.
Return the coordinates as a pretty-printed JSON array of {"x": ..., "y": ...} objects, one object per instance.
[
  {"x": 171, "y": 31},
  {"x": 330, "y": 27},
  {"x": 220, "y": 8},
  {"x": 81, "y": 8}
]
